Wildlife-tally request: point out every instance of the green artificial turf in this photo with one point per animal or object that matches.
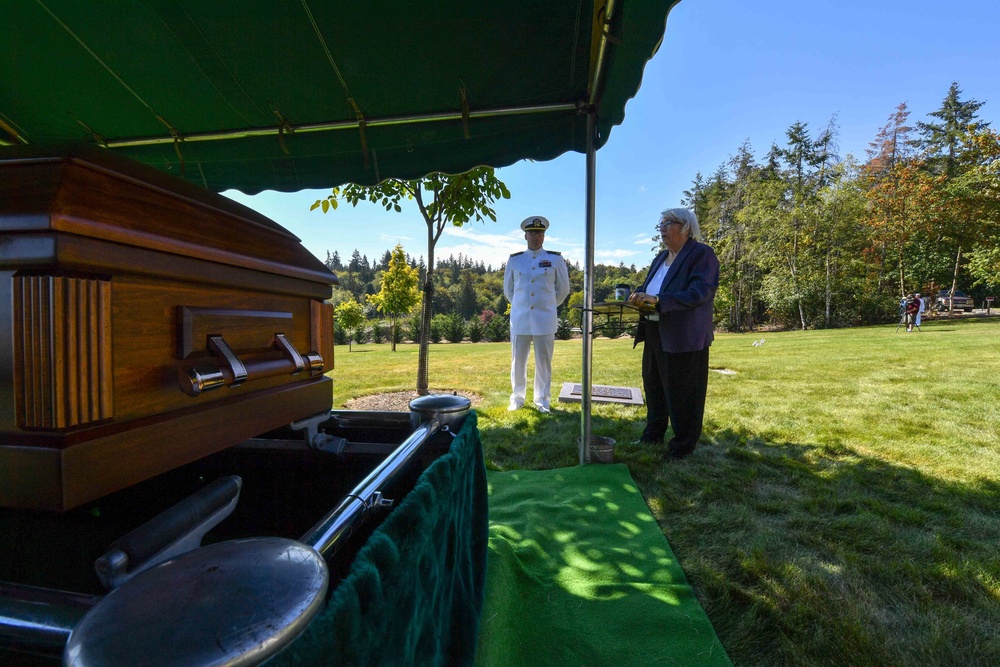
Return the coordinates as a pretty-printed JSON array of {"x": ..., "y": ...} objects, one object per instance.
[{"x": 579, "y": 574}]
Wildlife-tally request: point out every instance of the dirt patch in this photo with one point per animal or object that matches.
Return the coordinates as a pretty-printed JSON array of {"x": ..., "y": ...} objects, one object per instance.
[{"x": 399, "y": 401}]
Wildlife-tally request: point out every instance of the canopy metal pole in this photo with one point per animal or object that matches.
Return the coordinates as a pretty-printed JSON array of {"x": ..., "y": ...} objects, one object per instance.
[{"x": 588, "y": 286}]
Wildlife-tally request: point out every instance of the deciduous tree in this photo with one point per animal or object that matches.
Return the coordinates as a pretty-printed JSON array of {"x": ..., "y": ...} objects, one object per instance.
[
  {"x": 351, "y": 315},
  {"x": 892, "y": 183},
  {"x": 442, "y": 200},
  {"x": 399, "y": 293},
  {"x": 980, "y": 187}
]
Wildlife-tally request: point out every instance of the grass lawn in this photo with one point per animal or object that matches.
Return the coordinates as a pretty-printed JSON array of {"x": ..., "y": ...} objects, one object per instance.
[{"x": 843, "y": 507}]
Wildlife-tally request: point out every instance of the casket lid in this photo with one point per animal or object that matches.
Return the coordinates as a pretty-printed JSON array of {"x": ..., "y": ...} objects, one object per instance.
[{"x": 95, "y": 193}]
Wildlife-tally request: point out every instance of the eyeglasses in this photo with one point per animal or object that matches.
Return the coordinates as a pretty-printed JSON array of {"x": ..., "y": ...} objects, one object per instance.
[{"x": 666, "y": 223}]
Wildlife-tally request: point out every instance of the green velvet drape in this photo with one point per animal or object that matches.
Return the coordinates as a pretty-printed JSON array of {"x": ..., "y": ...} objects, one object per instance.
[{"x": 414, "y": 593}]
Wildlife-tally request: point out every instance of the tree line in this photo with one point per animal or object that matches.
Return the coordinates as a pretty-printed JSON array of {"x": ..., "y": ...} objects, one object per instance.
[
  {"x": 806, "y": 238},
  {"x": 468, "y": 299}
]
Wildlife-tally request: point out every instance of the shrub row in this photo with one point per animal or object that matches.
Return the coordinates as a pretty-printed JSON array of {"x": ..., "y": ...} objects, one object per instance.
[{"x": 450, "y": 327}]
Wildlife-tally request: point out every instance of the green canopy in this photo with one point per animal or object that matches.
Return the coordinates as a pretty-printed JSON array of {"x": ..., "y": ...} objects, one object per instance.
[{"x": 287, "y": 95}]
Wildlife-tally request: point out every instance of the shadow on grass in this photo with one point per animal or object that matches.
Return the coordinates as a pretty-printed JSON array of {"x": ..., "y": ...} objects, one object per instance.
[
  {"x": 528, "y": 440},
  {"x": 804, "y": 552}
]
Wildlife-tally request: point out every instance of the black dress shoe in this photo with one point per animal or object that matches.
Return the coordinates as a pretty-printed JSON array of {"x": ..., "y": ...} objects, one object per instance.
[{"x": 678, "y": 454}]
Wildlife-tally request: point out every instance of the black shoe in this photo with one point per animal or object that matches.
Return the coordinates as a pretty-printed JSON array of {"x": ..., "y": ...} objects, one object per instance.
[{"x": 678, "y": 454}]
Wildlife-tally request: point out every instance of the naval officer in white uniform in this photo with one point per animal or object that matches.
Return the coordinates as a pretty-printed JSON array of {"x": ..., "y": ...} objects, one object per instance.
[{"x": 535, "y": 283}]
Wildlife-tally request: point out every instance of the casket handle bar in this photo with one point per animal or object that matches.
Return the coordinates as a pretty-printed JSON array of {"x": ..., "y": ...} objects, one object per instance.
[
  {"x": 285, "y": 346},
  {"x": 219, "y": 347},
  {"x": 175, "y": 531},
  {"x": 232, "y": 372}
]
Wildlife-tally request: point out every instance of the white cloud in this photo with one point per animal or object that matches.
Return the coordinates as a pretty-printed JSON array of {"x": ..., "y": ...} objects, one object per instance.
[
  {"x": 494, "y": 249},
  {"x": 616, "y": 254},
  {"x": 477, "y": 232},
  {"x": 480, "y": 245},
  {"x": 643, "y": 238},
  {"x": 394, "y": 237}
]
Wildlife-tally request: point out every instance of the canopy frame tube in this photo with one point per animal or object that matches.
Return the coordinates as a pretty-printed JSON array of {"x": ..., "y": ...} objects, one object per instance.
[{"x": 343, "y": 125}]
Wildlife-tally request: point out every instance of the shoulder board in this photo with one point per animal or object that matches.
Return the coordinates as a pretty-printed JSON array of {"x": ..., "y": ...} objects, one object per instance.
[
  {"x": 515, "y": 254},
  {"x": 553, "y": 252}
]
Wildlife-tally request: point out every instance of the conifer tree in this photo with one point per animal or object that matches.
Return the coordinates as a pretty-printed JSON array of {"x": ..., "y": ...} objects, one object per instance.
[
  {"x": 944, "y": 141},
  {"x": 949, "y": 154}
]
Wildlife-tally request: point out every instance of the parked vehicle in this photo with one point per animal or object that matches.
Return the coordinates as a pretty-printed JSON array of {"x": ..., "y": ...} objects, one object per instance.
[{"x": 959, "y": 301}]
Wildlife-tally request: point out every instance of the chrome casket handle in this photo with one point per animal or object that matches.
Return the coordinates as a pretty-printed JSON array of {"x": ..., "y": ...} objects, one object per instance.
[{"x": 232, "y": 371}]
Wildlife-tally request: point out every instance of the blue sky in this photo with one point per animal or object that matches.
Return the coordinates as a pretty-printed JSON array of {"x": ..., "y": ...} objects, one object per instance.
[{"x": 727, "y": 71}]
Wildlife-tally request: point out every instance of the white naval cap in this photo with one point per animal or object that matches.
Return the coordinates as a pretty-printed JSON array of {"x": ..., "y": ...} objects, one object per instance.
[{"x": 535, "y": 223}]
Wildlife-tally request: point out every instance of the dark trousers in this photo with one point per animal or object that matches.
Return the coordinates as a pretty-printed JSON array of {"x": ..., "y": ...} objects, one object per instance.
[{"x": 675, "y": 385}]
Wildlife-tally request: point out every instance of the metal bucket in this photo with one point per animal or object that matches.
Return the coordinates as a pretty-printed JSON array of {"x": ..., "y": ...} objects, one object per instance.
[{"x": 602, "y": 448}]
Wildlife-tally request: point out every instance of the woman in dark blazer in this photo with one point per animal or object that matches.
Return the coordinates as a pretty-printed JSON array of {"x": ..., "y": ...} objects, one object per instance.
[{"x": 676, "y": 330}]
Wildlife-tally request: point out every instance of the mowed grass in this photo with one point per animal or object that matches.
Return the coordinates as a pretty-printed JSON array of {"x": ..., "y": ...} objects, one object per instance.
[{"x": 843, "y": 507}]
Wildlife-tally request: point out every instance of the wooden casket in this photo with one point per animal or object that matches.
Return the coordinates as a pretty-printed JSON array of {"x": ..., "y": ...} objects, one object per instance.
[{"x": 144, "y": 323}]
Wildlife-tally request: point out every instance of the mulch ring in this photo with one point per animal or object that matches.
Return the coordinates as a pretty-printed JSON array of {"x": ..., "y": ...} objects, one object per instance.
[{"x": 399, "y": 401}]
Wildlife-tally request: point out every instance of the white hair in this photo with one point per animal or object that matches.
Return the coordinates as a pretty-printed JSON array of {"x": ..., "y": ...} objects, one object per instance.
[{"x": 686, "y": 217}]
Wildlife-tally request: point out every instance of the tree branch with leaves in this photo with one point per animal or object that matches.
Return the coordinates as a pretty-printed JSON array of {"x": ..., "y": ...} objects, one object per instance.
[
  {"x": 351, "y": 316},
  {"x": 443, "y": 200},
  {"x": 399, "y": 293}
]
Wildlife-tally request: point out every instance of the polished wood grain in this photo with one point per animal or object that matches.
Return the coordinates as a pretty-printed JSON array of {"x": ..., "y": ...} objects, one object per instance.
[
  {"x": 44, "y": 478},
  {"x": 242, "y": 329},
  {"x": 62, "y": 351},
  {"x": 147, "y": 334},
  {"x": 101, "y": 195},
  {"x": 117, "y": 275},
  {"x": 49, "y": 250},
  {"x": 322, "y": 331}
]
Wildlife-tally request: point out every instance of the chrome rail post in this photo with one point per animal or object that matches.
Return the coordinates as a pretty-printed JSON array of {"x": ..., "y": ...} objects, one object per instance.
[
  {"x": 330, "y": 532},
  {"x": 40, "y": 620},
  {"x": 588, "y": 288}
]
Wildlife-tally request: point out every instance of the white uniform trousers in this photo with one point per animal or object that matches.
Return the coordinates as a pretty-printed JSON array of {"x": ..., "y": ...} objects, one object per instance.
[{"x": 519, "y": 345}]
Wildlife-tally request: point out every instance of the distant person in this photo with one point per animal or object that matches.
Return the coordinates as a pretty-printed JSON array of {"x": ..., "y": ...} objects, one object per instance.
[
  {"x": 920, "y": 310},
  {"x": 676, "y": 330},
  {"x": 535, "y": 282},
  {"x": 912, "y": 311}
]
